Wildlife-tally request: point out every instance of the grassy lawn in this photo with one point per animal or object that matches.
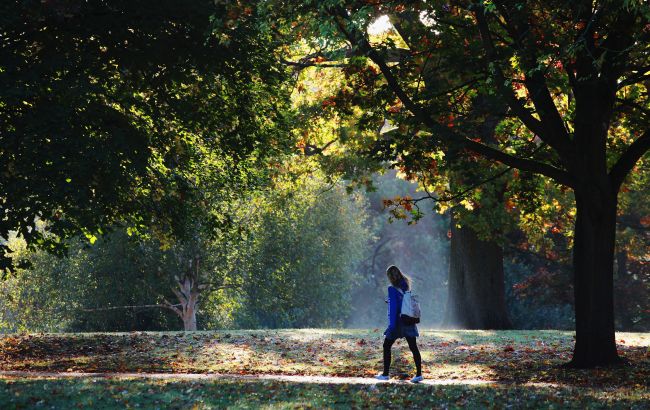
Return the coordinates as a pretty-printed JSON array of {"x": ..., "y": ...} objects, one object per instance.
[
  {"x": 89, "y": 393},
  {"x": 518, "y": 362}
]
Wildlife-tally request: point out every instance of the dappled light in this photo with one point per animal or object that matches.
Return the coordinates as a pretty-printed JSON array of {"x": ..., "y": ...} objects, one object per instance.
[{"x": 514, "y": 356}]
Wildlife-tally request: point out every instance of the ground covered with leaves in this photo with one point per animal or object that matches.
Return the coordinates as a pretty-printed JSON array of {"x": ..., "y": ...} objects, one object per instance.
[{"x": 523, "y": 368}]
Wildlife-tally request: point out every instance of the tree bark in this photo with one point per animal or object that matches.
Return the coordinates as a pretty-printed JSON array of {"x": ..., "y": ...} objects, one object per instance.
[
  {"x": 593, "y": 261},
  {"x": 189, "y": 318},
  {"x": 188, "y": 295},
  {"x": 476, "y": 283},
  {"x": 476, "y": 293}
]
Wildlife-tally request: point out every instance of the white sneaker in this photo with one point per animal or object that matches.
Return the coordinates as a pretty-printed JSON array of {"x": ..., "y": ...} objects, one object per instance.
[
  {"x": 417, "y": 379},
  {"x": 382, "y": 377}
]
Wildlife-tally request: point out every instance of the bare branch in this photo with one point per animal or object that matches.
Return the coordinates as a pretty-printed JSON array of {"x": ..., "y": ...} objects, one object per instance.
[
  {"x": 310, "y": 150},
  {"x": 174, "y": 308},
  {"x": 180, "y": 296},
  {"x": 165, "y": 306}
]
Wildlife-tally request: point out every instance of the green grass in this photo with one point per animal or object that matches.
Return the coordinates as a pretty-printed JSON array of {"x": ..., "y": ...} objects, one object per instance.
[
  {"x": 523, "y": 368},
  {"x": 88, "y": 393}
]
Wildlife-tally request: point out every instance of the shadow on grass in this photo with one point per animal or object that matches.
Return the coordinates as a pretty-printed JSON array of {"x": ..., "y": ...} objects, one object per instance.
[{"x": 538, "y": 356}]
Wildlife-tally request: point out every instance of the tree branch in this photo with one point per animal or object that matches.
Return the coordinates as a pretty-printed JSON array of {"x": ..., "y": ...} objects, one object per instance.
[
  {"x": 174, "y": 308},
  {"x": 628, "y": 159},
  {"x": 301, "y": 64},
  {"x": 311, "y": 150},
  {"x": 129, "y": 307},
  {"x": 633, "y": 104},
  {"x": 180, "y": 296},
  {"x": 462, "y": 193},
  {"x": 523, "y": 164},
  {"x": 444, "y": 133},
  {"x": 635, "y": 79},
  {"x": 557, "y": 136}
]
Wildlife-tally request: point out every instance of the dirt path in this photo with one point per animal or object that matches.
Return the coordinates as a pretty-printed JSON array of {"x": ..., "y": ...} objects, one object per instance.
[{"x": 212, "y": 376}]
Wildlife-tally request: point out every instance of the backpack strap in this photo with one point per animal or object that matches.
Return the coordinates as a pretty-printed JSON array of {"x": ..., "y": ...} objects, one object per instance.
[{"x": 399, "y": 290}]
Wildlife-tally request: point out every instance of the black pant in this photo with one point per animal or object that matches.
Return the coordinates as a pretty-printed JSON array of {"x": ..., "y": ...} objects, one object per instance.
[{"x": 413, "y": 345}]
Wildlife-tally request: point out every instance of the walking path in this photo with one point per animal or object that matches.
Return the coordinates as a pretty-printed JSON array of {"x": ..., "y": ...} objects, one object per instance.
[{"x": 214, "y": 376}]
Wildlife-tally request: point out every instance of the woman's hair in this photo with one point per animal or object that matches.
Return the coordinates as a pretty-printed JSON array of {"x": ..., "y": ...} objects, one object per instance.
[{"x": 395, "y": 276}]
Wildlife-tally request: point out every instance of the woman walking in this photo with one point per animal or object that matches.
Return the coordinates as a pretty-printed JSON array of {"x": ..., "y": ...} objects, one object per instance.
[{"x": 399, "y": 283}]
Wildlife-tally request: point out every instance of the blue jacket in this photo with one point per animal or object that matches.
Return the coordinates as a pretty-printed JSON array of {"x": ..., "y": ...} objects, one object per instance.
[{"x": 396, "y": 329}]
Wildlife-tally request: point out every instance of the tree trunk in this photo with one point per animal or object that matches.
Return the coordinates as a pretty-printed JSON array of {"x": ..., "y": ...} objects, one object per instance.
[
  {"x": 476, "y": 283},
  {"x": 188, "y": 297},
  {"x": 477, "y": 298},
  {"x": 593, "y": 262},
  {"x": 189, "y": 318},
  {"x": 621, "y": 306}
]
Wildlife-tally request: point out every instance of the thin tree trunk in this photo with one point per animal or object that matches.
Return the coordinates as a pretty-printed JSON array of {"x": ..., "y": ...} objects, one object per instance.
[
  {"x": 188, "y": 296},
  {"x": 593, "y": 260},
  {"x": 189, "y": 318},
  {"x": 476, "y": 283}
]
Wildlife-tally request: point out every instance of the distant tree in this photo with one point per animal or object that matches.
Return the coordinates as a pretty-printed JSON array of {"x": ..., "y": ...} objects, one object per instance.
[
  {"x": 119, "y": 283},
  {"x": 301, "y": 260},
  {"x": 193, "y": 269},
  {"x": 476, "y": 290},
  {"x": 99, "y": 287}
]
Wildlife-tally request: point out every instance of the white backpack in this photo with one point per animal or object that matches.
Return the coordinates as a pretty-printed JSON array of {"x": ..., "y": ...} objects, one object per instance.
[{"x": 410, "y": 307}]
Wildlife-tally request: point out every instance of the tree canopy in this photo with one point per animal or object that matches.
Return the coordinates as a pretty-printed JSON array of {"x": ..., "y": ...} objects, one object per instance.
[
  {"x": 116, "y": 111},
  {"x": 565, "y": 89}
]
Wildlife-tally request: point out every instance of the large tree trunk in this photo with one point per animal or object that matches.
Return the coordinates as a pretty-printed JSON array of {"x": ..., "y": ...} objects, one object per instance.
[
  {"x": 593, "y": 262},
  {"x": 476, "y": 283},
  {"x": 476, "y": 292}
]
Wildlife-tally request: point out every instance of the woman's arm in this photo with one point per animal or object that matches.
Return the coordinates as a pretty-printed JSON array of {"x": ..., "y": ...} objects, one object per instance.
[{"x": 392, "y": 307}]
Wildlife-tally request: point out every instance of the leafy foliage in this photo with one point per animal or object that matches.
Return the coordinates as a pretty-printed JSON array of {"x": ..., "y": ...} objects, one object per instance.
[
  {"x": 301, "y": 260},
  {"x": 116, "y": 111},
  {"x": 86, "y": 290},
  {"x": 288, "y": 248}
]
